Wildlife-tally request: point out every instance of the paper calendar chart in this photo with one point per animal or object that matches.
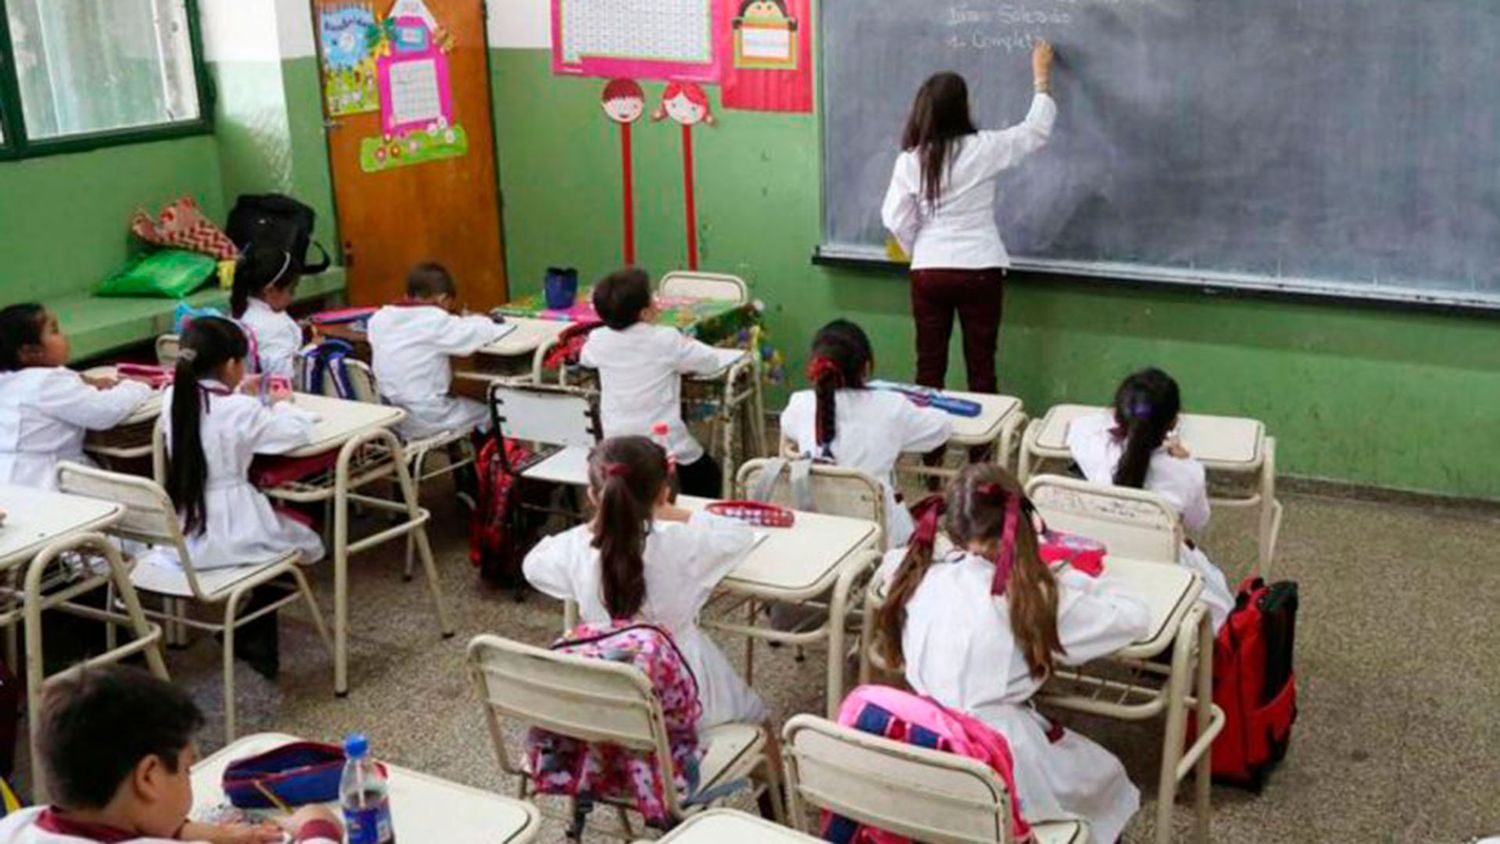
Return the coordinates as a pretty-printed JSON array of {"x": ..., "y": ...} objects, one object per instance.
[{"x": 641, "y": 39}]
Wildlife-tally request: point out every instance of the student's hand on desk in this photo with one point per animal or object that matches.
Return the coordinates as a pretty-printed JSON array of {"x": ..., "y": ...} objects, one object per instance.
[
  {"x": 1177, "y": 449},
  {"x": 100, "y": 382},
  {"x": 236, "y": 833},
  {"x": 672, "y": 513},
  {"x": 307, "y": 814}
]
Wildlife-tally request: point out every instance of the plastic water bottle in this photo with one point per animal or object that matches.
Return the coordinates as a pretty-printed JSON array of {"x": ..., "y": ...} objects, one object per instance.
[{"x": 364, "y": 796}]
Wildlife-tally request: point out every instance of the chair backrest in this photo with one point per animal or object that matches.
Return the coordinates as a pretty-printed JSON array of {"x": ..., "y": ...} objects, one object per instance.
[
  {"x": 696, "y": 285},
  {"x": 921, "y": 794},
  {"x": 361, "y": 381},
  {"x": 545, "y": 414},
  {"x": 836, "y": 490},
  {"x": 167, "y": 346},
  {"x": 150, "y": 517},
  {"x": 590, "y": 700},
  {"x": 1130, "y": 522}
]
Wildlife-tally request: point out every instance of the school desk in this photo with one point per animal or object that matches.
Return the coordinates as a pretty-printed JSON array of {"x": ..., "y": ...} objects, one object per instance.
[
  {"x": 1237, "y": 449},
  {"x": 424, "y": 808},
  {"x": 129, "y": 440},
  {"x": 39, "y": 528},
  {"x": 727, "y": 826},
  {"x": 799, "y": 565},
  {"x": 369, "y": 452}
]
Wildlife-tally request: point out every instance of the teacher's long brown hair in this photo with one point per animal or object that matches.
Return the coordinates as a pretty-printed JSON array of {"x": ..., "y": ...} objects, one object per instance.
[
  {"x": 939, "y": 120},
  {"x": 984, "y": 503}
]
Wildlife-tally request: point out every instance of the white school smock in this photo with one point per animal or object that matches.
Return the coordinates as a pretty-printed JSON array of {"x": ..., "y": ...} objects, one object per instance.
[
  {"x": 959, "y": 231},
  {"x": 278, "y": 338},
  {"x": 1182, "y": 481},
  {"x": 22, "y": 827},
  {"x": 45, "y": 411},
  {"x": 410, "y": 347},
  {"x": 960, "y": 651},
  {"x": 640, "y": 381},
  {"x": 874, "y": 428},
  {"x": 239, "y": 525},
  {"x": 684, "y": 562}
]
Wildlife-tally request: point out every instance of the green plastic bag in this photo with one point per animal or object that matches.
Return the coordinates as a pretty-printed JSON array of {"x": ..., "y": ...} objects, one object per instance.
[{"x": 168, "y": 274}]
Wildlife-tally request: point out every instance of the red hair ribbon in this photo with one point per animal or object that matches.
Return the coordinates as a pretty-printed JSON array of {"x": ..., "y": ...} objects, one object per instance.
[
  {"x": 617, "y": 470},
  {"x": 821, "y": 367},
  {"x": 931, "y": 511},
  {"x": 1007, "y": 545},
  {"x": 990, "y": 490}
]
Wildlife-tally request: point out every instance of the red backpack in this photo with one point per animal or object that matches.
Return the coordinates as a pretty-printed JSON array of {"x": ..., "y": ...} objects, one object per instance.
[
  {"x": 1254, "y": 683},
  {"x": 500, "y": 531}
]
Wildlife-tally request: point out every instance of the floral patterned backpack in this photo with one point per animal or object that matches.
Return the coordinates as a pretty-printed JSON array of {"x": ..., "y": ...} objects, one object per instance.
[{"x": 600, "y": 772}]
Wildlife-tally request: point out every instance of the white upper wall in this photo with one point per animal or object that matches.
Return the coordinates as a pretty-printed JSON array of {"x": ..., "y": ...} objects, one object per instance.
[
  {"x": 256, "y": 30},
  {"x": 521, "y": 24}
]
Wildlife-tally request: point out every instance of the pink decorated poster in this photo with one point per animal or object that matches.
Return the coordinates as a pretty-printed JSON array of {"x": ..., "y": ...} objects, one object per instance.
[{"x": 638, "y": 39}]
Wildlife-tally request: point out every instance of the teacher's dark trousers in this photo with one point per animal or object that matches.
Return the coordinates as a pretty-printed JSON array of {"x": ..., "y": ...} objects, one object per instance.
[{"x": 976, "y": 296}]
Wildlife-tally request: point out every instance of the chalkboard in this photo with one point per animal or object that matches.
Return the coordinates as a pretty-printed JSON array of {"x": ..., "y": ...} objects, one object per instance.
[{"x": 1346, "y": 147}]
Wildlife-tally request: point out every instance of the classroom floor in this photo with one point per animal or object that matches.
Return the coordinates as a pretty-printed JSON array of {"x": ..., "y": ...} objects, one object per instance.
[{"x": 1398, "y": 669}]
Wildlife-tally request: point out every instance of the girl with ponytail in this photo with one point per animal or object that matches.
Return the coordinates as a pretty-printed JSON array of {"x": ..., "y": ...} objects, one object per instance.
[
  {"x": 977, "y": 621},
  {"x": 840, "y": 421},
  {"x": 265, "y": 285},
  {"x": 1137, "y": 446},
  {"x": 215, "y": 425},
  {"x": 642, "y": 558},
  {"x": 45, "y": 407}
]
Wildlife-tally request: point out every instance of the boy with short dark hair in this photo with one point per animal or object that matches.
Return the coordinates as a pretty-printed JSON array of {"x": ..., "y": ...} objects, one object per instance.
[
  {"x": 115, "y": 747},
  {"x": 640, "y": 375}
]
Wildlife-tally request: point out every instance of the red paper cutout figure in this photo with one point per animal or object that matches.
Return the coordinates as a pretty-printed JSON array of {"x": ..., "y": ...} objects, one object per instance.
[
  {"x": 624, "y": 102},
  {"x": 686, "y": 103}
]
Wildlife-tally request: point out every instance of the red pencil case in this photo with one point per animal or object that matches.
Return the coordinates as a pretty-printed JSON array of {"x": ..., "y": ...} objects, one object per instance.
[
  {"x": 1079, "y": 552},
  {"x": 757, "y": 513},
  {"x": 154, "y": 376}
]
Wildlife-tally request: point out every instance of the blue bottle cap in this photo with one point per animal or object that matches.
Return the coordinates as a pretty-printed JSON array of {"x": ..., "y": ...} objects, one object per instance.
[{"x": 357, "y": 745}]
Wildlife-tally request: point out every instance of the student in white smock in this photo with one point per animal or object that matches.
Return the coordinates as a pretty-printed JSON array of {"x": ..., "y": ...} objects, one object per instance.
[
  {"x": 410, "y": 346},
  {"x": 841, "y": 421},
  {"x": 213, "y": 431},
  {"x": 979, "y": 628},
  {"x": 46, "y": 409},
  {"x": 1137, "y": 447},
  {"x": 643, "y": 558},
  {"x": 117, "y": 744},
  {"x": 265, "y": 285}
]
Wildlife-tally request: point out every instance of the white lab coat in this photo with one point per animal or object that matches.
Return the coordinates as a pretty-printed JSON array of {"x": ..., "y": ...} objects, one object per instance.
[
  {"x": 873, "y": 429},
  {"x": 684, "y": 562},
  {"x": 959, "y": 232},
  {"x": 960, "y": 651},
  {"x": 1181, "y": 481},
  {"x": 45, "y": 413},
  {"x": 278, "y": 338},
  {"x": 21, "y": 827},
  {"x": 640, "y": 381},
  {"x": 410, "y": 347},
  {"x": 240, "y": 526}
]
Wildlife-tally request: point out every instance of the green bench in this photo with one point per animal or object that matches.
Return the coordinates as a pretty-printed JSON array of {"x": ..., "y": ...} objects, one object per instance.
[{"x": 96, "y": 326}]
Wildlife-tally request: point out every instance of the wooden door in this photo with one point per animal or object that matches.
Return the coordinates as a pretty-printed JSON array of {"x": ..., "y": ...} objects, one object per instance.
[{"x": 446, "y": 210}]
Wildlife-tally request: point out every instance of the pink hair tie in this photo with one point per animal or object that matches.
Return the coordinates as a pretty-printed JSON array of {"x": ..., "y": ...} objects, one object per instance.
[
  {"x": 617, "y": 470},
  {"x": 820, "y": 367},
  {"x": 1007, "y": 547}
]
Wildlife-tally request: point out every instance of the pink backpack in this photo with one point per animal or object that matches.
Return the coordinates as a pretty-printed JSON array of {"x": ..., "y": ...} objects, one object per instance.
[
  {"x": 905, "y": 717},
  {"x": 590, "y": 772}
]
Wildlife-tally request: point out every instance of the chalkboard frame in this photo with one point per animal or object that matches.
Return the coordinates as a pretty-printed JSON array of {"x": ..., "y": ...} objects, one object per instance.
[{"x": 1126, "y": 275}]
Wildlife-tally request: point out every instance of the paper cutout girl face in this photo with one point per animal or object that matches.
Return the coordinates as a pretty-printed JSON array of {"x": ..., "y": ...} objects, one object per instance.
[
  {"x": 763, "y": 10},
  {"x": 623, "y": 101},
  {"x": 685, "y": 103}
]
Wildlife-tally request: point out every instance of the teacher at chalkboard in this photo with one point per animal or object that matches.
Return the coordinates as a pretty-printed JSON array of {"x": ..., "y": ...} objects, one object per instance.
[{"x": 941, "y": 209}]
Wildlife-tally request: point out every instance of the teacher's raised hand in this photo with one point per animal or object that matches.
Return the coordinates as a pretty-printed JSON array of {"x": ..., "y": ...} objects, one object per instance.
[{"x": 1041, "y": 65}]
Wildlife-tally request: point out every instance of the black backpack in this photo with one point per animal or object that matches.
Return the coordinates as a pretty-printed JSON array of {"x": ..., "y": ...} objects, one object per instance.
[{"x": 279, "y": 221}]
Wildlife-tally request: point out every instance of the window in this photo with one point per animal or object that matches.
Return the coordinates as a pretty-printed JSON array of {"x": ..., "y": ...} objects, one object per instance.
[{"x": 83, "y": 73}]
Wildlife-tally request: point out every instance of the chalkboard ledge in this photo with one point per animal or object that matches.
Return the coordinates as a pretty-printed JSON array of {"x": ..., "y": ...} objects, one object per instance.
[{"x": 1118, "y": 275}]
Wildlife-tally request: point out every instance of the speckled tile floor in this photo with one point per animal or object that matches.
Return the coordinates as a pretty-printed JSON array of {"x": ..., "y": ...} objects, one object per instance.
[{"x": 1398, "y": 666}]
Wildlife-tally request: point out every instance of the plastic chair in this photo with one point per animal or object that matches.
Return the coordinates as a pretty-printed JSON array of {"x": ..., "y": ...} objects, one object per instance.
[
  {"x": 598, "y": 701},
  {"x": 922, "y": 794},
  {"x": 1131, "y": 523},
  {"x": 697, "y": 285},
  {"x": 150, "y": 518},
  {"x": 167, "y": 346}
]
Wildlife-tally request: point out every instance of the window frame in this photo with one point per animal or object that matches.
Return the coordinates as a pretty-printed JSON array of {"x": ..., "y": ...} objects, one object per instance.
[{"x": 17, "y": 145}]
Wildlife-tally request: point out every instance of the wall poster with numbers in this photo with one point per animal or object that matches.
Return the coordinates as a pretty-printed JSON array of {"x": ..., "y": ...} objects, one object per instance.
[{"x": 640, "y": 39}]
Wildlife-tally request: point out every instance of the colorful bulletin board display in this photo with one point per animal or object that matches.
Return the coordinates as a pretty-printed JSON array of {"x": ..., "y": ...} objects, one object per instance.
[
  {"x": 416, "y": 94},
  {"x": 350, "y": 38},
  {"x": 770, "y": 47},
  {"x": 624, "y": 103},
  {"x": 687, "y": 105},
  {"x": 639, "y": 39}
]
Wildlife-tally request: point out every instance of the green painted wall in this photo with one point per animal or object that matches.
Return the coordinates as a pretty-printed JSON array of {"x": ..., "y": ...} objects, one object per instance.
[
  {"x": 1380, "y": 397},
  {"x": 64, "y": 218}
]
